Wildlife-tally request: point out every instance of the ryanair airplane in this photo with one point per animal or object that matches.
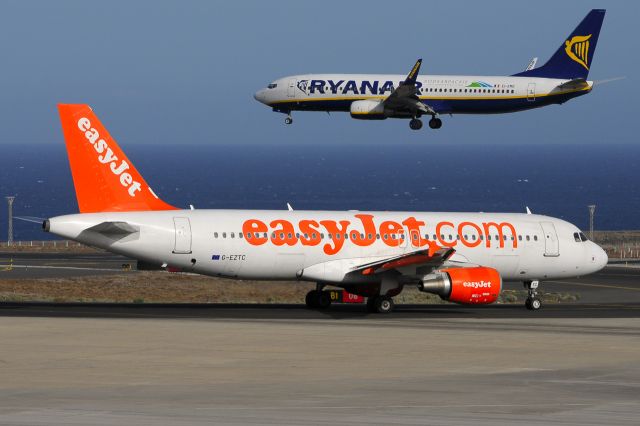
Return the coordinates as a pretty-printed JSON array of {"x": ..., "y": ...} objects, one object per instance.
[{"x": 378, "y": 97}]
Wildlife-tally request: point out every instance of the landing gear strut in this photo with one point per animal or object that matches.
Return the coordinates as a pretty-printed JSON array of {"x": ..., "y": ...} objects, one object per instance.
[
  {"x": 435, "y": 123},
  {"x": 415, "y": 124},
  {"x": 533, "y": 303}
]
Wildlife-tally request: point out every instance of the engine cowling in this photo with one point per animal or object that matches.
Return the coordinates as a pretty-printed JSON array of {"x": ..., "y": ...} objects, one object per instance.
[
  {"x": 368, "y": 110},
  {"x": 468, "y": 286}
]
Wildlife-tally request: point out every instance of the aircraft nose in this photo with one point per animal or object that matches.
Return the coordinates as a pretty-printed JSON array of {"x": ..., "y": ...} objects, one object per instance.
[
  {"x": 599, "y": 257},
  {"x": 260, "y": 96}
]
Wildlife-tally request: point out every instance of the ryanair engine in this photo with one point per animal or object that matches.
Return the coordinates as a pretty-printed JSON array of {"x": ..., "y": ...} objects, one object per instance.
[
  {"x": 368, "y": 110},
  {"x": 467, "y": 286}
]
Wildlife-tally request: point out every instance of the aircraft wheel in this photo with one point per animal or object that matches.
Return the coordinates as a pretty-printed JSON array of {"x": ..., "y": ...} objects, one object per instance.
[
  {"x": 323, "y": 300},
  {"x": 311, "y": 299},
  {"x": 288, "y": 120},
  {"x": 435, "y": 123},
  {"x": 415, "y": 124},
  {"x": 533, "y": 303},
  {"x": 384, "y": 304}
]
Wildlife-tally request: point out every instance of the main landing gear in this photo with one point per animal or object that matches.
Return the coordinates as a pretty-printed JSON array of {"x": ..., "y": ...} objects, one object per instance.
[
  {"x": 317, "y": 299},
  {"x": 380, "y": 304},
  {"x": 533, "y": 303},
  {"x": 435, "y": 123},
  {"x": 416, "y": 123}
]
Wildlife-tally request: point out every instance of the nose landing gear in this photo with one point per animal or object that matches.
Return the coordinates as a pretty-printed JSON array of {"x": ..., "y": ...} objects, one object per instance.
[
  {"x": 533, "y": 303},
  {"x": 288, "y": 120}
]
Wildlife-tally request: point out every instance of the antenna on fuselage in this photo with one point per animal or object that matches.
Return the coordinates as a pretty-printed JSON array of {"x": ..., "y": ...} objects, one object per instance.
[
  {"x": 528, "y": 210},
  {"x": 289, "y": 207}
]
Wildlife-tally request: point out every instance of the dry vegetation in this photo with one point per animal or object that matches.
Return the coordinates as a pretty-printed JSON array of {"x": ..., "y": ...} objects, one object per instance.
[{"x": 163, "y": 287}]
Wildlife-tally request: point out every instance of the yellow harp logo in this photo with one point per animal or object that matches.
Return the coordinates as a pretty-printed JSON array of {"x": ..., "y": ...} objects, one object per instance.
[{"x": 578, "y": 49}]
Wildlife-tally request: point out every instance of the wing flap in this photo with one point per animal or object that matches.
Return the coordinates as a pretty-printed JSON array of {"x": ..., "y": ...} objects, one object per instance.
[{"x": 433, "y": 256}]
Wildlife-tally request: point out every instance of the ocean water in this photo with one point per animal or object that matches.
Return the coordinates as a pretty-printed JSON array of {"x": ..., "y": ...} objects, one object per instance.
[{"x": 557, "y": 180}]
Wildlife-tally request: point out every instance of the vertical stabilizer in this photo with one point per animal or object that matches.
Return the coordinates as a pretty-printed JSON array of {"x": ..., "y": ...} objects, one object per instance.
[{"x": 104, "y": 178}]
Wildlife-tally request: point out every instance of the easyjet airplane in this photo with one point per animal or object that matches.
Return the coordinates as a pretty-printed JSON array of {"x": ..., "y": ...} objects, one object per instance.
[
  {"x": 463, "y": 257},
  {"x": 377, "y": 97}
]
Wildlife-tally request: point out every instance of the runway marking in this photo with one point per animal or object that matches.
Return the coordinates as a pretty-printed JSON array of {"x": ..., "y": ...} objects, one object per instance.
[
  {"x": 596, "y": 285},
  {"x": 63, "y": 267}
]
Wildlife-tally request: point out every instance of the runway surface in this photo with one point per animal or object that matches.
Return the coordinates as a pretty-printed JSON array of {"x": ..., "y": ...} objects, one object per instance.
[{"x": 101, "y": 364}]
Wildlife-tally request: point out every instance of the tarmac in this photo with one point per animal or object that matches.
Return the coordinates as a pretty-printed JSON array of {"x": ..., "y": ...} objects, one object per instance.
[{"x": 106, "y": 364}]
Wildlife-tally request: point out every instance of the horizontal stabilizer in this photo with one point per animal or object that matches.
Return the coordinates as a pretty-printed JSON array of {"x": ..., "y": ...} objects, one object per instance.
[{"x": 114, "y": 228}]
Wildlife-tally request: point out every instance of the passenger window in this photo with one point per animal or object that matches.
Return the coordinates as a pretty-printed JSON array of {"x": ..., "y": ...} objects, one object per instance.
[
  {"x": 282, "y": 235},
  {"x": 473, "y": 237},
  {"x": 488, "y": 237},
  {"x": 535, "y": 238},
  {"x": 338, "y": 236},
  {"x": 528, "y": 239},
  {"x": 215, "y": 235},
  {"x": 346, "y": 236},
  {"x": 377, "y": 236},
  {"x": 330, "y": 236},
  {"x": 249, "y": 236},
  {"x": 233, "y": 235},
  {"x": 239, "y": 234},
  {"x": 322, "y": 236}
]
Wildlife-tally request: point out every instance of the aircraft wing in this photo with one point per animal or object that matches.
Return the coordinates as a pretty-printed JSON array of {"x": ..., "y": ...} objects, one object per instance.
[
  {"x": 432, "y": 257},
  {"x": 405, "y": 97}
]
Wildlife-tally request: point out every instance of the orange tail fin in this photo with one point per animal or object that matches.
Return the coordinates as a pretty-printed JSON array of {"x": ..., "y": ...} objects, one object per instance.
[{"x": 104, "y": 178}]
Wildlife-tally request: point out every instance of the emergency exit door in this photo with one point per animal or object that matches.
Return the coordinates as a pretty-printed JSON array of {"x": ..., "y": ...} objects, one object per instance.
[{"x": 182, "y": 243}]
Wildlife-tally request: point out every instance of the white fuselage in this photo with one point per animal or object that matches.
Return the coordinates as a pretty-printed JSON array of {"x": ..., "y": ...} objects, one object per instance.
[
  {"x": 324, "y": 245},
  {"x": 457, "y": 94}
]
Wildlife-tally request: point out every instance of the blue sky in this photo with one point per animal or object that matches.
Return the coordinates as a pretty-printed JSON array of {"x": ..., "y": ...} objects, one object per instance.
[{"x": 160, "y": 72}]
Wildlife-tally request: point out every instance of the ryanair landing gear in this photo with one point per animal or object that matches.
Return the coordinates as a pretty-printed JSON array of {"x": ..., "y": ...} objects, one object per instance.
[
  {"x": 415, "y": 124},
  {"x": 435, "y": 123},
  {"x": 380, "y": 304},
  {"x": 288, "y": 120},
  {"x": 533, "y": 303}
]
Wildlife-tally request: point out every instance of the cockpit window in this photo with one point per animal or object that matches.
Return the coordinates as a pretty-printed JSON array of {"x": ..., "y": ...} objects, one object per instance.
[
  {"x": 272, "y": 86},
  {"x": 583, "y": 237},
  {"x": 576, "y": 237}
]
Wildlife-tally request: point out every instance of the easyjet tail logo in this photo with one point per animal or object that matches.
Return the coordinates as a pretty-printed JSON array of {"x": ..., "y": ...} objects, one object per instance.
[
  {"x": 108, "y": 158},
  {"x": 578, "y": 49}
]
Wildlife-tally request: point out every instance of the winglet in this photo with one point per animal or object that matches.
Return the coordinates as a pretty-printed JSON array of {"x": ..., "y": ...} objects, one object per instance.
[
  {"x": 413, "y": 74},
  {"x": 104, "y": 178}
]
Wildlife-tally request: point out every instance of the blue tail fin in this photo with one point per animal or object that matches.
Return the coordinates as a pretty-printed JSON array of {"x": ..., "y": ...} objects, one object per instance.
[{"x": 575, "y": 56}]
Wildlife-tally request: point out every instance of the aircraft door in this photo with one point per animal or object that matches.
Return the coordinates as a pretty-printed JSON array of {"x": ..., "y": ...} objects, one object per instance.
[
  {"x": 551, "y": 243},
  {"x": 531, "y": 92},
  {"x": 182, "y": 244},
  {"x": 291, "y": 89}
]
